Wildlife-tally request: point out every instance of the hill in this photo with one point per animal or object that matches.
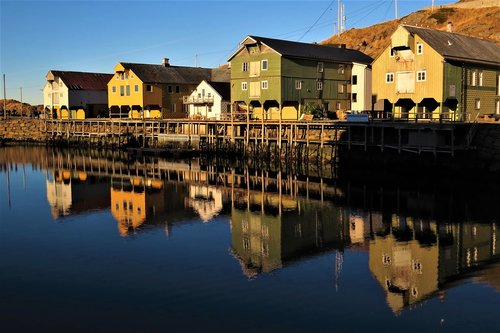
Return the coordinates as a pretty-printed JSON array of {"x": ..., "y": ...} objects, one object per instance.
[
  {"x": 14, "y": 105},
  {"x": 476, "y": 18}
]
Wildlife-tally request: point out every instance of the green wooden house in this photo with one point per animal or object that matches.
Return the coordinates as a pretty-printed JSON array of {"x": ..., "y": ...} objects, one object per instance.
[{"x": 278, "y": 79}]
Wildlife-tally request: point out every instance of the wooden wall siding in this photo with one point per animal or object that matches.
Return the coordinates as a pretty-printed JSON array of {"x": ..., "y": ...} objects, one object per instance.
[
  {"x": 452, "y": 77},
  {"x": 430, "y": 61},
  {"x": 135, "y": 98},
  {"x": 485, "y": 93},
  {"x": 272, "y": 75}
]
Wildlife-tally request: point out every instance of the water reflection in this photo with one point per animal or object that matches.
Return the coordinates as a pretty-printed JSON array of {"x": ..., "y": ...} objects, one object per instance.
[{"x": 419, "y": 239}]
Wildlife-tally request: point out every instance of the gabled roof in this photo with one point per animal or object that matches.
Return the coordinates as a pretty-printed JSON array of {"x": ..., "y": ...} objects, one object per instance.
[
  {"x": 310, "y": 51},
  {"x": 453, "y": 46},
  {"x": 149, "y": 73},
  {"x": 223, "y": 88},
  {"x": 81, "y": 80}
]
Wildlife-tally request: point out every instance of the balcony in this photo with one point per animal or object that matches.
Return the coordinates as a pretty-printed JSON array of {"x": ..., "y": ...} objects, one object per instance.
[{"x": 205, "y": 100}]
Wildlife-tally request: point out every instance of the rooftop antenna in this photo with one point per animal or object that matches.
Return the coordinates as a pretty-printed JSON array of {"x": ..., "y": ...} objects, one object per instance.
[{"x": 339, "y": 18}]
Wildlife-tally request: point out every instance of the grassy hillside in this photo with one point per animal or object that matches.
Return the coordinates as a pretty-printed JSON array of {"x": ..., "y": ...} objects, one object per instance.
[
  {"x": 14, "y": 105},
  {"x": 473, "y": 20}
]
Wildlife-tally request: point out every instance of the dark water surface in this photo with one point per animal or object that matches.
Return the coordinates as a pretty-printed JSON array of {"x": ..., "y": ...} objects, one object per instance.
[{"x": 103, "y": 242}]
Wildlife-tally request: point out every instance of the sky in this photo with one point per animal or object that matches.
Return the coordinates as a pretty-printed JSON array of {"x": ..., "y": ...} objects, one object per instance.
[{"x": 93, "y": 36}]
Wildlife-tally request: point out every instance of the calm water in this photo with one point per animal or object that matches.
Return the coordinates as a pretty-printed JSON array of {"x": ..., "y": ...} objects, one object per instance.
[{"x": 103, "y": 242}]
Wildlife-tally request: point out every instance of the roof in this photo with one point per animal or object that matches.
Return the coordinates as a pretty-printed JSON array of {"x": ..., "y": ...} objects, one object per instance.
[
  {"x": 223, "y": 88},
  {"x": 82, "y": 80},
  {"x": 311, "y": 51},
  {"x": 149, "y": 73},
  {"x": 453, "y": 46}
]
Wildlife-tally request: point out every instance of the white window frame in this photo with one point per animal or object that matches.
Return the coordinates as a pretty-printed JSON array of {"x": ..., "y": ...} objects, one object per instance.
[
  {"x": 340, "y": 88},
  {"x": 341, "y": 69},
  {"x": 389, "y": 77},
  {"x": 319, "y": 85},
  {"x": 320, "y": 67},
  {"x": 420, "y": 48},
  {"x": 244, "y": 85},
  {"x": 474, "y": 78},
  {"x": 149, "y": 88},
  {"x": 244, "y": 67},
  {"x": 262, "y": 67},
  {"x": 480, "y": 75},
  {"x": 477, "y": 104},
  {"x": 298, "y": 84},
  {"x": 421, "y": 76},
  {"x": 264, "y": 85},
  {"x": 136, "y": 88}
]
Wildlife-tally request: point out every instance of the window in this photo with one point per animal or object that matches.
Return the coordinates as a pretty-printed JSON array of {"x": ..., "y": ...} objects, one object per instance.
[
  {"x": 391, "y": 52},
  {"x": 209, "y": 109},
  {"x": 338, "y": 105},
  {"x": 354, "y": 97},
  {"x": 244, "y": 67},
  {"x": 341, "y": 69},
  {"x": 354, "y": 80},
  {"x": 477, "y": 104},
  {"x": 169, "y": 89},
  {"x": 254, "y": 68},
  {"x": 122, "y": 91},
  {"x": 298, "y": 84},
  {"x": 177, "y": 89},
  {"x": 481, "y": 78},
  {"x": 264, "y": 65},
  {"x": 474, "y": 78},
  {"x": 389, "y": 77},
  {"x": 117, "y": 76},
  {"x": 149, "y": 88},
  {"x": 421, "y": 76},
  {"x": 172, "y": 107},
  {"x": 319, "y": 85},
  {"x": 386, "y": 259},
  {"x": 128, "y": 90},
  {"x": 126, "y": 76},
  {"x": 264, "y": 84},
  {"x": 320, "y": 67},
  {"x": 61, "y": 95},
  {"x": 340, "y": 88},
  {"x": 136, "y": 88},
  {"x": 420, "y": 48},
  {"x": 244, "y": 86}
]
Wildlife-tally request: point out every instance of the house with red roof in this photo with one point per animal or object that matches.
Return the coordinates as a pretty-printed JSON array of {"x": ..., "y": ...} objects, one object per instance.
[{"x": 69, "y": 94}]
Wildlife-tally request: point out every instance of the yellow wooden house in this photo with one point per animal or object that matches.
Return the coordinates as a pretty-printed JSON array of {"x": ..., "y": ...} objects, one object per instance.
[
  {"x": 155, "y": 91},
  {"x": 436, "y": 75}
]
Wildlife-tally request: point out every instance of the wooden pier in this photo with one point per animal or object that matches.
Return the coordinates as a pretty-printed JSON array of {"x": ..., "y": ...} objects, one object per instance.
[{"x": 258, "y": 136}]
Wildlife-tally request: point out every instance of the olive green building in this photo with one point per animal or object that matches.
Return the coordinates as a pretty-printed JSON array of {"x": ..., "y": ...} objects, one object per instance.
[{"x": 275, "y": 79}]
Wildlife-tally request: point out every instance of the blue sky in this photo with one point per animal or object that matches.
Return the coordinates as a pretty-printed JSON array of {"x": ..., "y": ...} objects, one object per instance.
[{"x": 94, "y": 36}]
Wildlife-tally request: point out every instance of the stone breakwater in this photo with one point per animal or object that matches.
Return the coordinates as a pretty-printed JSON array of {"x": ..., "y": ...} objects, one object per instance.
[{"x": 23, "y": 130}]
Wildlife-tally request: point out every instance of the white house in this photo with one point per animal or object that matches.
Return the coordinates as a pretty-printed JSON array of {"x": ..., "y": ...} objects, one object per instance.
[
  {"x": 361, "y": 87},
  {"x": 210, "y": 100},
  {"x": 67, "y": 91}
]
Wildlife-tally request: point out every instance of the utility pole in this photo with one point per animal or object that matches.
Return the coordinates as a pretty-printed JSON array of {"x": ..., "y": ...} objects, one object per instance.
[
  {"x": 4, "y": 100},
  {"x": 196, "y": 60},
  {"x": 21, "y": 89},
  {"x": 432, "y": 7},
  {"x": 396, "y": 8}
]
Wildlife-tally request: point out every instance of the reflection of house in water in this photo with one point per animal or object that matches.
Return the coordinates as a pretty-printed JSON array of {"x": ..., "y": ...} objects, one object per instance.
[
  {"x": 137, "y": 202},
  {"x": 264, "y": 240},
  {"x": 133, "y": 199},
  {"x": 413, "y": 259},
  {"x": 205, "y": 200},
  {"x": 75, "y": 192},
  {"x": 362, "y": 224}
]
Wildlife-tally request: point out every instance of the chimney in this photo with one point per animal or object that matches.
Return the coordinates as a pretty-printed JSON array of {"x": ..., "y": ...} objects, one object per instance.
[
  {"x": 165, "y": 62},
  {"x": 449, "y": 27}
]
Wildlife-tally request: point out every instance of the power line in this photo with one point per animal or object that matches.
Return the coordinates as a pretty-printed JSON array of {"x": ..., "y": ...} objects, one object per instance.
[{"x": 317, "y": 20}]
